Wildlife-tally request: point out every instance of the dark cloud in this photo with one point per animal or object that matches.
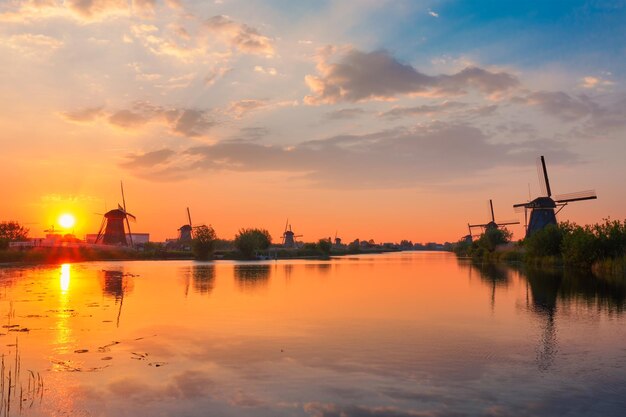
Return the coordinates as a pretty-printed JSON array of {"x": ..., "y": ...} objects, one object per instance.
[
  {"x": 127, "y": 119},
  {"x": 359, "y": 76},
  {"x": 400, "y": 157},
  {"x": 240, "y": 36}
]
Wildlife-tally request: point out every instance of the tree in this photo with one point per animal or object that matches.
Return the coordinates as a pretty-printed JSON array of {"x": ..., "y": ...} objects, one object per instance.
[
  {"x": 493, "y": 237},
  {"x": 203, "y": 242},
  {"x": 11, "y": 231},
  {"x": 324, "y": 246},
  {"x": 248, "y": 241}
]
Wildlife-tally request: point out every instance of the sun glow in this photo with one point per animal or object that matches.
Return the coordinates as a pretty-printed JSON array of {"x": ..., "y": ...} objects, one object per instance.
[{"x": 67, "y": 221}]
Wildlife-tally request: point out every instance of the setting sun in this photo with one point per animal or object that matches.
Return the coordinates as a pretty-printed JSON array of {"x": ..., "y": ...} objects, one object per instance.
[{"x": 67, "y": 221}]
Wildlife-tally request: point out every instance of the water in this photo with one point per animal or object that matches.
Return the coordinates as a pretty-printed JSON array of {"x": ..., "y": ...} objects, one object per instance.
[{"x": 405, "y": 334}]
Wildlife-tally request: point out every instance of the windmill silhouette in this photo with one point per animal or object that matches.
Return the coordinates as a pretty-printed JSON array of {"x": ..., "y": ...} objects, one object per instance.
[
  {"x": 543, "y": 210},
  {"x": 289, "y": 236},
  {"x": 186, "y": 231},
  {"x": 112, "y": 227},
  {"x": 490, "y": 225}
]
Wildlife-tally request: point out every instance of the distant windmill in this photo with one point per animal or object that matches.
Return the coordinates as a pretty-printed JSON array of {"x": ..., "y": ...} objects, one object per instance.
[
  {"x": 337, "y": 239},
  {"x": 542, "y": 209},
  {"x": 186, "y": 231},
  {"x": 490, "y": 225},
  {"x": 289, "y": 236},
  {"x": 112, "y": 228}
]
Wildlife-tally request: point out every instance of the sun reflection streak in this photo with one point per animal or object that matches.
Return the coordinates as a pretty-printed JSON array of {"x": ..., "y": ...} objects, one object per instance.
[
  {"x": 64, "y": 332},
  {"x": 65, "y": 278}
]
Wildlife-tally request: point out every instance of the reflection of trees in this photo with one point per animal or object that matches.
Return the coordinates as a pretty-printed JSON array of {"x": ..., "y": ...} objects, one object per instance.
[
  {"x": 203, "y": 278},
  {"x": 252, "y": 277}
]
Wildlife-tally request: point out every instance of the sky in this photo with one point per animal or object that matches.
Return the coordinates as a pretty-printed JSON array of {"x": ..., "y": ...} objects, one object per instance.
[{"x": 364, "y": 119}]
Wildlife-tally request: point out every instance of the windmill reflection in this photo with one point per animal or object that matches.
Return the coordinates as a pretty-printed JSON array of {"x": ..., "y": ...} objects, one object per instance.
[
  {"x": 494, "y": 275},
  {"x": 203, "y": 278},
  {"x": 116, "y": 284},
  {"x": 252, "y": 277}
]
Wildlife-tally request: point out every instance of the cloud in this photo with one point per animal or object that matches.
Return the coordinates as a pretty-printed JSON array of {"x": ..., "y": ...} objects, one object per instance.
[
  {"x": 32, "y": 44},
  {"x": 559, "y": 104},
  {"x": 214, "y": 75},
  {"x": 344, "y": 114},
  {"x": 433, "y": 14},
  {"x": 424, "y": 154},
  {"x": 128, "y": 119},
  {"x": 336, "y": 410},
  {"x": 240, "y": 36},
  {"x": 87, "y": 114},
  {"x": 590, "y": 82},
  {"x": 265, "y": 70},
  {"x": 425, "y": 109},
  {"x": 148, "y": 159},
  {"x": 242, "y": 107},
  {"x": 361, "y": 76},
  {"x": 93, "y": 8}
]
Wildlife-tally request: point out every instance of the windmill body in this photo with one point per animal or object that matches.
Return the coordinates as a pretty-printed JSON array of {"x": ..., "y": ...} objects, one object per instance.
[
  {"x": 113, "y": 233},
  {"x": 543, "y": 210},
  {"x": 542, "y": 214},
  {"x": 289, "y": 237},
  {"x": 185, "y": 233},
  {"x": 112, "y": 230}
]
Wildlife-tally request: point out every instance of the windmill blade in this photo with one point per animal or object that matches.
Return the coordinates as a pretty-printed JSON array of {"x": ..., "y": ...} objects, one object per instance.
[
  {"x": 298, "y": 235},
  {"x": 189, "y": 217},
  {"x": 478, "y": 225},
  {"x": 130, "y": 234},
  {"x": 519, "y": 208},
  {"x": 542, "y": 172},
  {"x": 493, "y": 218},
  {"x": 508, "y": 222},
  {"x": 132, "y": 217},
  {"x": 578, "y": 196}
]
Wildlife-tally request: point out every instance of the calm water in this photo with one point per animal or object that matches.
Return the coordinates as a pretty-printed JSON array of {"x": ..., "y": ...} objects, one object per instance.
[{"x": 408, "y": 334}]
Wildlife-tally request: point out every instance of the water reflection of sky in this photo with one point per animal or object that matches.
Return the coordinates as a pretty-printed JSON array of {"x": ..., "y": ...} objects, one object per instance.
[{"x": 394, "y": 335}]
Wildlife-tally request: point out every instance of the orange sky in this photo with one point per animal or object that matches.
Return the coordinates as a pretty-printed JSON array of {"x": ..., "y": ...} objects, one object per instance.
[{"x": 250, "y": 116}]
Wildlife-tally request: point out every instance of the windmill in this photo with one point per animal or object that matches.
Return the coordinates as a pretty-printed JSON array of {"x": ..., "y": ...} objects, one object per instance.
[
  {"x": 542, "y": 209},
  {"x": 490, "y": 225},
  {"x": 186, "y": 231},
  {"x": 289, "y": 236},
  {"x": 337, "y": 239},
  {"x": 112, "y": 228}
]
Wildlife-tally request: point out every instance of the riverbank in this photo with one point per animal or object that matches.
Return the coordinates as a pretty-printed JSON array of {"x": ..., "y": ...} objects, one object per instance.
[
  {"x": 599, "y": 248},
  {"x": 56, "y": 255}
]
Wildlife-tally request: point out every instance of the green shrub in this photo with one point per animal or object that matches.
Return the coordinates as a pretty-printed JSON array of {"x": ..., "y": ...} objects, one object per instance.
[
  {"x": 580, "y": 247},
  {"x": 203, "y": 242},
  {"x": 545, "y": 242}
]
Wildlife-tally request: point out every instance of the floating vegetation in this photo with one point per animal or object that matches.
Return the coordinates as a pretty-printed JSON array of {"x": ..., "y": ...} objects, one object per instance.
[
  {"x": 157, "y": 364},
  {"x": 81, "y": 351},
  {"x": 68, "y": 366}
]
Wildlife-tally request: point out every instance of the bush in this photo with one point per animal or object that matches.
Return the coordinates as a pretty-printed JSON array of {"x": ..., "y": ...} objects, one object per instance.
[
  {"x": 203, "y": 242},
  {"x": 493, "y": 237},
  {"x": 248, "y": 241},
  {"x": 580, "y": 247},
  {"x": 545, "y": 242}
]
